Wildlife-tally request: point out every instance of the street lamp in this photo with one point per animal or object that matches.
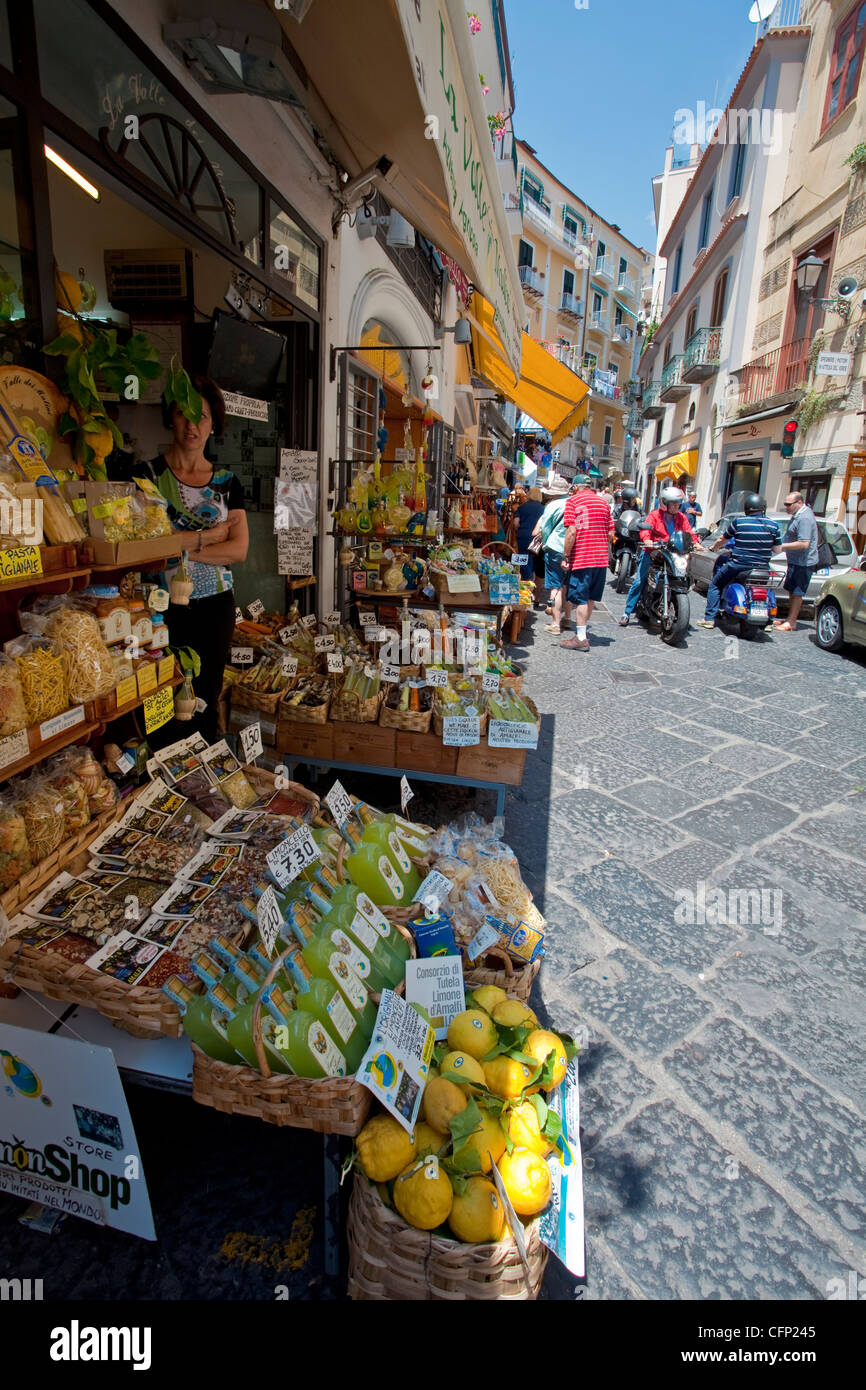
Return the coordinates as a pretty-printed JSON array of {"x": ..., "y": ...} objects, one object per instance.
[{"x": 809, "y": 273}]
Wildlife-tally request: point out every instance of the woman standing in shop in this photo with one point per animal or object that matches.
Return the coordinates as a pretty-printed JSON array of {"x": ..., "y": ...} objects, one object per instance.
[{"x": 208, "y": 502}]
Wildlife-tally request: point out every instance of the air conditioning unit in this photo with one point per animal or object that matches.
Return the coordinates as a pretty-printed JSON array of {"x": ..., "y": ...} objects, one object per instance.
[{"x": 154, "y": 276}]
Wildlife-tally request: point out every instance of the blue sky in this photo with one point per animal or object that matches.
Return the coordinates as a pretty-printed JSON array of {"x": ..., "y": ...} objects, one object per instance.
[{"x": 597, "y": 89}]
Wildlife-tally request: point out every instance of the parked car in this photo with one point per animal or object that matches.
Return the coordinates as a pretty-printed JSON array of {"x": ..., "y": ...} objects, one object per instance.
[
  {"x": 701, "y": 562},
  {"x": 841, "y": 612}
]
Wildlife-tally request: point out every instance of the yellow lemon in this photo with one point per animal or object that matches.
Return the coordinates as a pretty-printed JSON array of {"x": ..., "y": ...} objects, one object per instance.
[
  {"x": 486, "y": 1146},
  {"x": 506, "y": 1078},
  {"x": 539, "y": 1044},
  {"x": 384, "y": 1148},
  {"x": 478, "y": 1214},
  {"x": 67, "y": 324},
  {"x": 524, "y": 1130},
  {"x": 423, "y": 1195},
  {"x": 474, "y": 1032},
  {"x": 461, "y": 1064},
  {"x": 428, "y": 1140},
  {"x": 442, "y": 1099},
  {"x": 68, "y": 290},
  {"x": 527, "y": 1181},
  {"x": 511, "y": 1013},
  {"x": 101, "y": 441},
  {"x": 488, "y": 996}
]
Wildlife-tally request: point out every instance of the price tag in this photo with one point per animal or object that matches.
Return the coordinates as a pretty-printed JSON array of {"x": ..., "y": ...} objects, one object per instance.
[
  {"x": 14, "y": 747},
  {"x": 158, "y": 709},
  {"x": 490, "y": 681},
  {"x": 239, "y": 617},
  {"x": 335, "y": 663},
  {"x": 461, "y": 730},
  {"x": 434, "y": 888},
  {"x": 390, "y": 674},
  {"x": 126, "y": 691},
  {"x": 286, "y": 634},
  {"x": 325, "y": 644},
  {"x": 256, "y": 609},
  {"x": 165, "y": 670},
  {"x": 486, "y": 936},
  {"x": 520, "y": 560},
  {"x": 251, "y": 742},
  {"x": 333, "y": 619},
  {"x": 406, "y": 794},
  {"x": 339, "y": 803},
  {"x": 125, "y": 763},
  {"x": 242, "y": 656},
  {"x": 292, "y": 855},
  {"x": 289, "y": 665},
  {"x": 377, "y": 634},
  {"x": 367, "y": 619},
  {"x": 437, "y": 677},
  {"x": 270, "y": 920},
  {"x": 200, "y": 705},
  {"x": 310, "y": 621}
]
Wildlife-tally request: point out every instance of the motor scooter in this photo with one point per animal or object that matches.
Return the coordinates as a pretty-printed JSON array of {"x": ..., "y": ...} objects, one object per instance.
[
  {"x": 748, "y": 604},
  {"x": 625, "y": 548}
]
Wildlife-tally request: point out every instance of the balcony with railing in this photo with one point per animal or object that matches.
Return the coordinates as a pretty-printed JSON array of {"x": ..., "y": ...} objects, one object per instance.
[
  {"x": 569, "y": 307},
  {"x": 604, "y": 266},
  {"x": 634, "y": 421},
  {"x": 651, "y": 401},
  {"x": 603, "y": 384},
  {"x": 672, "y": 384},
  {"x": 787, "y": 15},
  {"x": 537, "y": 212},
  {"x": 531, "y": 280},
  {"x": 598, "y": 320},
  {"x": 703, "y": 354},
  {"x": 626, "y": 284},
  {"x": 775, "y": 373}
]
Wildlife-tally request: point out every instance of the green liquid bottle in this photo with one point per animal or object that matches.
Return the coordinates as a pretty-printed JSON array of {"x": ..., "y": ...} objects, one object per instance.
[
  {"x": 307, "y": 1047},
  {"x": 414, "y": 842},
  {"x": 371, "y": 867},
  {"x": 239, "y": 1031},
  {"x": 333, "y": 957},
  {"x": 329, "y": 1005},
  {"x": 339, "y": 910},
  {"x": 204, "y": 1018}
]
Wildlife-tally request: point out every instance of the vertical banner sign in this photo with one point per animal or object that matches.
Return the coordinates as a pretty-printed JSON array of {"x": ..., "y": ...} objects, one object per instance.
[
  {"x": 66, "y": 1137},
  {"x": 446, "y": 75}
]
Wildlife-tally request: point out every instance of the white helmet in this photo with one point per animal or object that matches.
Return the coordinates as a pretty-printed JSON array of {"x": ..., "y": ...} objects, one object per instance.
[{"x": 671, "y": 494}]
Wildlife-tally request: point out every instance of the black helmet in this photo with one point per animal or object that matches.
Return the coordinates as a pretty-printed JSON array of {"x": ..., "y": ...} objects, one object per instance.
[
  {"x": 628, "y": 494},
  {"x": 754, "y": 504}
]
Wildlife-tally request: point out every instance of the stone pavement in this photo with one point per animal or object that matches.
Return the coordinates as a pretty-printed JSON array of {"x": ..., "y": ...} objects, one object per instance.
[{"x": 723, "y": 1084}]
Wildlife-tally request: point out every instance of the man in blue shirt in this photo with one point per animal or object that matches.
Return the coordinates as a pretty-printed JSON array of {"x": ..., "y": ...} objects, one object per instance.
[
  {"x": 751, "y": 539},
  {"x": 691, "y": 506},
  {"x": 801, "y": 542}
]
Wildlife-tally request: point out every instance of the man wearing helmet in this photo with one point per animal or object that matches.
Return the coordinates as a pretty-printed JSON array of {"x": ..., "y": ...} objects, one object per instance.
[
  {"x": 751, "y": 539},
  {"x": 623, "y": 500},
  {"x": 660, "y": 526}
]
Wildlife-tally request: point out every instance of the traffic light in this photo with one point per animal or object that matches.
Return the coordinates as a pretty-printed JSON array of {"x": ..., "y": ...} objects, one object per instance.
[{"x": 789, "y": 434}]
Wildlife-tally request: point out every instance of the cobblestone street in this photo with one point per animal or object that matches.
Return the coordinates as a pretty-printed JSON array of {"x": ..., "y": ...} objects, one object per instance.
[{"x": 723, "y": 1089}]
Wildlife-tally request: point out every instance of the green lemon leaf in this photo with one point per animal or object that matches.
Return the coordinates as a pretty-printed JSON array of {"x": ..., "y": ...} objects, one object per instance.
[
  {"x": 552, "y": 1127},
  {"x": 540, "y": 1109},
  {"x": 459, "y": 1078},
  {"x": 62, "y": 346},
  {"x": 458, "y": 1182},
  {"x": 67, "y": 424},
  {"x": 466, "y": 1123},
  {"x": 572, "y": 1048},
  {"x": 465, "y": 1160}
]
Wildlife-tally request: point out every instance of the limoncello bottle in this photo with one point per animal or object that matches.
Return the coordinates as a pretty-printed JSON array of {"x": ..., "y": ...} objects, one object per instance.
[
  {"x": 204, "y": 1018},
  {"x": 370, "y": 866},
  {"x": 414, "y": 842},
  {"x": 239, "y": 1031},
  {"x": 338, "y": 909},
  {"x": 306, "y": 1045},
  {"x": 332, "y": 956},
  {"x": 329, "y": 1005}
]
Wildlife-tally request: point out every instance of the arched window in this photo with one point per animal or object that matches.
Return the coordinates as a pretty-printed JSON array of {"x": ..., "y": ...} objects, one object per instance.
[{"x": 720, "y": 296}]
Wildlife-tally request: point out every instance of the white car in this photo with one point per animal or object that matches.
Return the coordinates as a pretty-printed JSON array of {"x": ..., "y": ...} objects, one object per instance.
[{"x": 701, "y": 562}]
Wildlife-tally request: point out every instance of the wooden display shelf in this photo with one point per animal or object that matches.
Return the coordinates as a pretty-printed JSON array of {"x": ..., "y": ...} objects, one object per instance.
[
  {"x": 40, "y": 581},
  {"x": 54, "y": 745},
  {"x": 385, "y": 594},
  {"x": 119, "y": 711}
]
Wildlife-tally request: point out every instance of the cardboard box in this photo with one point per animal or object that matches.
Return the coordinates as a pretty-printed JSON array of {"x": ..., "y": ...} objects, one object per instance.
[
  {"x": 306, "y": 740},
  {"x": 364, "y": 743},
  {"x": 484, "y": 764},
  {"x": 425, "y": 753},
  {"x": 136, "y": 553}
]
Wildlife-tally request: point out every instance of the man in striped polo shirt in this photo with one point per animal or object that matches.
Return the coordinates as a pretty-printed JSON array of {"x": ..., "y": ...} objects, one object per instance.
[
  {"x": 589, "y": 526},
  {"x": 751, "y": 539}
]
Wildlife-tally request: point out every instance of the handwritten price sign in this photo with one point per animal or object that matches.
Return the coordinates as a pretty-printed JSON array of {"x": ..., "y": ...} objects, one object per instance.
[
  {"x": 390, "y": 674},
  {"x": 437, "y": 678},
  {"x": 325, "y": 644},
  {"x": 490, "y": 682},
  {"x": 242, "y": 656},
  {"x": 251, "y": 742},
  {"x": 335, "y": 663},
  {"x": 339, "y": 803},
  {"x": 270, "y": 920},
  {"x": 292, "y": 856},
  {"x": 289, "y": 665},
  {"x": 286, "y": 634}
]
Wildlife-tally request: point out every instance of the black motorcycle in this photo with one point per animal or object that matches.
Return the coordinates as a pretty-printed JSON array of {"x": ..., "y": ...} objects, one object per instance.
[
  {"x": 664, "y": 603},
  {"x": 625, "y": 548}
]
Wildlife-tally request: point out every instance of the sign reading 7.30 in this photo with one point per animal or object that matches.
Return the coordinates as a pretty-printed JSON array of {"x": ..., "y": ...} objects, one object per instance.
[{"x": 291, "y": 856}]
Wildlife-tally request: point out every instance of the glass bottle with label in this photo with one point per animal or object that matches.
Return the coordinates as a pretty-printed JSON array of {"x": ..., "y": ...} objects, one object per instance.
[
  {"x": 368, "y": 928},
  {"x": 205, "y": 1017},
  {"x": 382, "y": 830},
  {"x": 240, "y": 1034},
  {"x": 306, "y": 1046},
  {"x": 371, "y": 867},
  {"x": 329, "y": 1005},
  {"x": 332, "y": 956}
]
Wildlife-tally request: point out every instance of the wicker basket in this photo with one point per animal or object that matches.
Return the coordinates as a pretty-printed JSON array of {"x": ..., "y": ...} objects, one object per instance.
[
  {"x": 244, "y": 698},
  {"x": 301, "y": 714},
  {"x": 392, "y": 1261},
  {"x": 29, "y": 884},
  {"x": 410, "y": 721},
  {"x": 516, "y": 980},
  {"x": 512, "y": 683},
  {"x": 264, "y": 783},
  {"x": 356, "y": 711},
  {"x": 332, "y": 1105}
]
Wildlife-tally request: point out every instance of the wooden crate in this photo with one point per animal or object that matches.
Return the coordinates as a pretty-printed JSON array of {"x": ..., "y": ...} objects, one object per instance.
[
  {"x": 486, "y": 764},
  {"x": 365, "y": 743},
  {"x": 310, "y": 740},
  {"x": 425, "y": 753}
]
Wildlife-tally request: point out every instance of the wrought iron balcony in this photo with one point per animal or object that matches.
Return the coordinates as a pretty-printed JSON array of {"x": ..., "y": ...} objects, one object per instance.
[
  {"x": 672, "y": 384},
  {"x": 775, "y": 373},
  {"x": 651, "y": 402},
  {"x": 598, "y": 320},
  {"x": 531, "y": 281},
  {"x": 635, "y": 421},
  {"x": 703, "y": 354},
  {"x": 626, "y": 284},
  {"x": 571, "y": 308},
  {"x": 786, "y": 15},
  {"x": 604, "y": 266}
]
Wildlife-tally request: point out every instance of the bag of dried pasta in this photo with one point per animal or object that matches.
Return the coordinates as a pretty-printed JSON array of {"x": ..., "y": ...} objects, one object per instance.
[
  {"x": 43, "y": 676},
  {"x": 13, "y": 714},
  {"x": 15, "y": 857},
  {"x": 89, "y": 667},
  {"x": 149, "y": 511},
  {"x": 61, "y": 777},
  {"x": 101, "y": 791},
  {"x": 42, "y": 810}
]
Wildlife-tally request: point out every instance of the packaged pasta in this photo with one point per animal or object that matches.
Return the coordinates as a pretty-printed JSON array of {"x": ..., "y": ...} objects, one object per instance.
[
  {"x": 13, "y": 714},
  {"x": 42, "y": 809},
  {"x": 43, "y": 677},
  {"x": 89, "y": 667},
  {"x": 61, "y": 776},
  {"x": 15, "y": 857},
  {"x": 101, "y": 791}
]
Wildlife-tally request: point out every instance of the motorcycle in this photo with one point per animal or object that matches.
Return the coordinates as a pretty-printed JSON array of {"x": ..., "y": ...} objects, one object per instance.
[
  {"x": 748, "y": 604},
  {"x": 664, "y": 603},
  {"x": 625, "y": 548}
]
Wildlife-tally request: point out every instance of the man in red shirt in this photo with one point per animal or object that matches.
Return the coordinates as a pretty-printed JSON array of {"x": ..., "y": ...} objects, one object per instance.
[
  {"x": 661, "y": 525},
  {"x": 589, "y": 526}
]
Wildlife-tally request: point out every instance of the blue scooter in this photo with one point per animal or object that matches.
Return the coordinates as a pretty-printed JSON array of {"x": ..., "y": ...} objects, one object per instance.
[{"x": 748, "y": 604}]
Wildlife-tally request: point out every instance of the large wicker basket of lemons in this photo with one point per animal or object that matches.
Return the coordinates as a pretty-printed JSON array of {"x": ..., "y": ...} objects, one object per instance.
[{"x": 426, "y": 1219}]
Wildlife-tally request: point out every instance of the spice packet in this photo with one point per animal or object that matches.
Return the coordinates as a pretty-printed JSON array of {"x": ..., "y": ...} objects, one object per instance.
[
  {"x": 227, "y": 773},
  {"x": 180, "y": 758},
  {"x": 115, "y": 843},
  {"x": 182, "y": 900},
  {"x": 63, "y": 897},
  {"x": 236, "y": 825},
  {"x": 126, "y": 958},
  {"x": 211, "y": 863}
]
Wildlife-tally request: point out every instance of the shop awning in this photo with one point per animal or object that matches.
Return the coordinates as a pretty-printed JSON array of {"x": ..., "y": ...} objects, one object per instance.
[
  {"x": 626, "y": 310},
  {"x": 677, "y": 464},
  {"x": 599, "y": 289},
  {"x": 365, "y": 65},
  {"x": 546, "y": 390}
]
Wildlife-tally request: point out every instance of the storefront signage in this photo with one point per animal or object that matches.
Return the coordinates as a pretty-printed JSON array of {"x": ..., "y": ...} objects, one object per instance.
[
  {"x": 13, "y": 748},
  {"x": 437, "y": 984},
  {"x": 251, "y": 742},
  {"x": 66, "y": 1136},
  {"x": 512, "y": 733},
  {"x": 158, "y": 709},
  {"x": 299, "y": 466},
  {"x": 339, "y": 803},
  {"x": 61, "y": 722},
  {"x": 270, "y": 920},
  {"x": 247, "y": 407},
  {"x": 397, "y": 1062},
  {"x": 461, "y": 730},
  {"x": 464, "y": 584},
  {"x": 833, "y": 364},
  {"x": 295, "y": 551},
  {"x": 23, "y": 562},
  {"x": 291, "y": 856}
]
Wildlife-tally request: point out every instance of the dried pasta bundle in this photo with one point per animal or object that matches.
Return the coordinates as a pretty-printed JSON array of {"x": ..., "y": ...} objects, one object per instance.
[
  {"x": 43, "y": 677},
  {"x": 61, "y": 777},
  {"x": 42, "y": 810},
  {"x": 13, "y": 715},
  {"x": 15, "y": 857},
  {"x": 89, "y": 667}
]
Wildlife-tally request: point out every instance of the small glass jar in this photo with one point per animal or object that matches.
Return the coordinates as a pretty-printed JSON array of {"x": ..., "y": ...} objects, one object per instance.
[
  {"x": 159, "y": 637},
  {"x": 140, "y": 619}
]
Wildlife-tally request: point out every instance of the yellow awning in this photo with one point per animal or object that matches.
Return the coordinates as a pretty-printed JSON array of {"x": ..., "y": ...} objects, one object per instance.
[
  {"x": 677, "y": 464},
  {"x": 548, "y": 391}
]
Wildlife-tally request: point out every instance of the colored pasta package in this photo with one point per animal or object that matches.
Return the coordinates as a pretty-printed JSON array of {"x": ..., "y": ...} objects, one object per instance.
[
  {"x": 101, "y": 791},
  {"x": 42, "y": 810},
  {"x": 61, "y": 776},
  {"x": 42, "y": 672},
  {"x": 13, "y": 713},
  {"x": 15, "y": 858}
]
